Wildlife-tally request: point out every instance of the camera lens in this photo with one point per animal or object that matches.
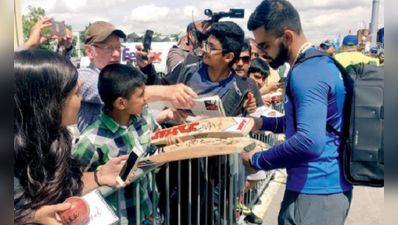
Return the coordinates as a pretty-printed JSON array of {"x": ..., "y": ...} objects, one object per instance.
[{"x": 208, "y": 12}]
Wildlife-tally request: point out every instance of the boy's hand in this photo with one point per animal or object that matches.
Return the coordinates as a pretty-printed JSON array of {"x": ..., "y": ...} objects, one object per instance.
[
  {"x": 274, "y": 86},
  {"x": 172, "y": 140},
  {"x": 250, "y": 104},
  {"x": 141, "y": 62}
]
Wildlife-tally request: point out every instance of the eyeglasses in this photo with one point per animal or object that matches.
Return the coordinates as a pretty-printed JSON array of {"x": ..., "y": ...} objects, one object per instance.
[
  {"x": 209, "y": 48},
  {"x": 109, "y": 48},
  {"x": 245, "y": 59}
]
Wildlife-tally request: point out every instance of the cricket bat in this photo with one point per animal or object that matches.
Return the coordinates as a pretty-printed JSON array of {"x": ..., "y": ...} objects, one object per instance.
[
  {"x": 222, "y": 127},
  {"x": 202, "y": 147}
]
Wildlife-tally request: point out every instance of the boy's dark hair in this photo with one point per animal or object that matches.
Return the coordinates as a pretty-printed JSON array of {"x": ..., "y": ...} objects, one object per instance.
[
  {"x": 117, "y": 80},
  {"x": 231, "y": 37},
  {"x": 259, "y": 66},
  {"x": 246, "y": 46},
  {"x": 275, "y": 16}
]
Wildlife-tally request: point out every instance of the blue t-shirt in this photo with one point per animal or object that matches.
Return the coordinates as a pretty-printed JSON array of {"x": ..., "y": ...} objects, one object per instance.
[
  {"x": 204, "y": 87},
  {"x": 310, "y": 153}
]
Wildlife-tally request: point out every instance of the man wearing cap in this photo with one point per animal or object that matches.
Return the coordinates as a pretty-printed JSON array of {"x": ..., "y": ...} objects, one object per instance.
[
  {"x": 373, "y": 52},
  {"x": 178, "y": 53},
  {"x": 328, "y": 47},
  {"x": 103, "y": 47},
  {"x": 350, "y": 55}
]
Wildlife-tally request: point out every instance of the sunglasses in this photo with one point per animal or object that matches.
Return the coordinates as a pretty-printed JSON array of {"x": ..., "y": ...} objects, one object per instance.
[{"x": 245, "y": 59}]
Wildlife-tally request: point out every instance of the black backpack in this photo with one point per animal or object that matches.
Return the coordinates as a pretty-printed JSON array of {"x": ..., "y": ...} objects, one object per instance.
[{"x": 362, "y": 149}]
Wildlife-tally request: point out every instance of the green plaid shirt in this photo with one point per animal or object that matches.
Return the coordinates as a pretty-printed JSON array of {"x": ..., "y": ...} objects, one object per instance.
[{"x": 106, "y": 139}]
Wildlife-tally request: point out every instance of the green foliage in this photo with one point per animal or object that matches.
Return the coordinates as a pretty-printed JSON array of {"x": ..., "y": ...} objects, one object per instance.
[
  {"x": 174, "y": 36},
  {"x": 82, "y": 39}
]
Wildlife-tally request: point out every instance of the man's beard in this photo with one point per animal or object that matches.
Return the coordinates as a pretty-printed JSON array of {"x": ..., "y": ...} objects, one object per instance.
[{"x": 280, "y": 59}]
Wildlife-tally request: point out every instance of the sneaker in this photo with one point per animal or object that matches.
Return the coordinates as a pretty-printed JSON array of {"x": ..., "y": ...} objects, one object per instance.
[
  {"x": 252, "y": 218},
  {"x": 242, "y": 208}
]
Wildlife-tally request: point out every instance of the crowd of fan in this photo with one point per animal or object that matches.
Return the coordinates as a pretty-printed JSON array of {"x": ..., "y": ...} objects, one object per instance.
[{"x": 108, "y": 102}]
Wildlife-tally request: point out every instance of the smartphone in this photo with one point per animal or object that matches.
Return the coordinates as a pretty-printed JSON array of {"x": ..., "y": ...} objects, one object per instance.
[
  {"x": 282, "y": 80},
  {"x": 57, "y": 29},
  {"x": 147, "y": 42},
  {"x": 130, "y": 165}
]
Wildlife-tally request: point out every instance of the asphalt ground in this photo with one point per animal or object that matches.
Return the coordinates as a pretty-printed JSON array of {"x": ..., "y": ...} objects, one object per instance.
[{"x": 367, "y": 207}]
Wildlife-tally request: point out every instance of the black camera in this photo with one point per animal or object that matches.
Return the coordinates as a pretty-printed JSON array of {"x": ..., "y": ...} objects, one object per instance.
[{"x": 233, "y": 13}]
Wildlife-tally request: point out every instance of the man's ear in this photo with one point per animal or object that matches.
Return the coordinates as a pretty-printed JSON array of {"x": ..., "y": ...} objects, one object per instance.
[
  {"x": 90, "y": 51},
  {"x": 119, "y": 104},
  {"x": 229, "y": 57},
  {"x": 288, "y": 37}
]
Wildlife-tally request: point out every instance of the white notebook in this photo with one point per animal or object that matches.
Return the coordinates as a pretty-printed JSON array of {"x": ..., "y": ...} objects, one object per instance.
[{"x": 100, "y": 211}]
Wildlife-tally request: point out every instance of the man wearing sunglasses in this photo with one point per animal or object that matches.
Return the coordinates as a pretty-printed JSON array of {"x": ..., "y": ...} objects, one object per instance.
[
  {"x": 103, "y": 47},
  {"x": 316, "y": 191},
  {"x": 242, "y": 65}
]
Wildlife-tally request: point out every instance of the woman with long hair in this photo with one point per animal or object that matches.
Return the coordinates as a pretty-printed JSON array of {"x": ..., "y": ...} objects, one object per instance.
[{"x": 46, "y": 101}]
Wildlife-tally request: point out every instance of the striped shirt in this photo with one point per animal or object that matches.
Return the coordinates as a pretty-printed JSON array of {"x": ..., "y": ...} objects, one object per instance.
[{"x": 106, "y": 139}]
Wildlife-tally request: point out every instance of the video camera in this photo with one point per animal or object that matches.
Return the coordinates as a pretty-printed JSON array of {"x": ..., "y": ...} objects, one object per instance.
[{"x": 233, "y": 13}]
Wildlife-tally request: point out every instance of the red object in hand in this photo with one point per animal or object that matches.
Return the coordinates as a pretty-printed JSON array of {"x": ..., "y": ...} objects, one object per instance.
[
  {"x": 78, "y": 212},
  {"x": 250, "y": 96}
]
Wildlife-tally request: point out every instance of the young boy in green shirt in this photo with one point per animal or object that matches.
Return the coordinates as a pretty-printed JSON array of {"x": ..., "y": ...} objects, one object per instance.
[{"x": 125, "y": 125}]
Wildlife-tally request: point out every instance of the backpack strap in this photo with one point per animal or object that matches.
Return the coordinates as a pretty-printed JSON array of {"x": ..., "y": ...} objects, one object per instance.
[{"x": 302, "y": 58}]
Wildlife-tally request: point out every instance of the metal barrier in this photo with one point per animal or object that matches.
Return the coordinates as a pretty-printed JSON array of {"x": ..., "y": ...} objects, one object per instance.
[{"x": 219, "y": 184}]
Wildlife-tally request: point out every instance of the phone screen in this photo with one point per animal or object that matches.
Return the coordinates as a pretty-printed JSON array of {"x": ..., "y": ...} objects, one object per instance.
[
  {"x": 147, "y": 42},
  {"x": 58, "y": 29},
  {"x": 128, "y": 166},
  {"x": 282, "y": 80}
]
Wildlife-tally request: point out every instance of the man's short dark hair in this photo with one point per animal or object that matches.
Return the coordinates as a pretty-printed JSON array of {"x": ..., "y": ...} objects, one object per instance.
[
  {"x": 117, "y": 80},
  {"x": 275, "y": 16},
  {"x": 231, "y": 37},
  {"x": 259, "y": 66},
  {"x": 246, "y": 46}
]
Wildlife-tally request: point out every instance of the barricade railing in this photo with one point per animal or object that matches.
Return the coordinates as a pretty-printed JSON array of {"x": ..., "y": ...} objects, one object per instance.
[{"x": 207, "y": 189}]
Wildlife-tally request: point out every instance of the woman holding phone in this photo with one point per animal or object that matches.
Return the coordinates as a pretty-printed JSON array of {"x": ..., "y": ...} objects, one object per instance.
[{"x": 46, "y": 101}]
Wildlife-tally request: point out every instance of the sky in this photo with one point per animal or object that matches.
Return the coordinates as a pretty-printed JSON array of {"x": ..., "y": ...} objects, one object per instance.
[{"x": 321, "y": 19}]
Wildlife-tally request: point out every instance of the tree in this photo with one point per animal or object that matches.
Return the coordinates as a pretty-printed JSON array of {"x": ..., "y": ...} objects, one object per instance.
[
  {"x": 174, "y": 36},
  {"x": 82, "y": 33}
]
